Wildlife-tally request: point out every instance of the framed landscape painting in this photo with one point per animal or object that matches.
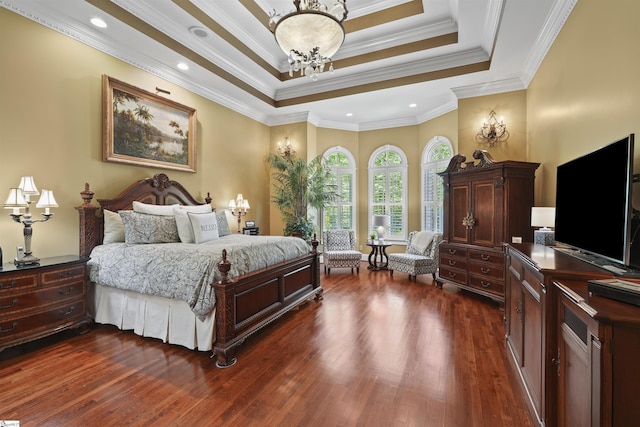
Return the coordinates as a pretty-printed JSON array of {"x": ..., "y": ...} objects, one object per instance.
[{"x": 144, "y": 129}]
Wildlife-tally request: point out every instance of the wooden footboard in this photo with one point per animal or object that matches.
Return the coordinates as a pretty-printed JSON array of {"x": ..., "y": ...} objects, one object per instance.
[
  {"x": 248, "y": 303},
  {"x": 243, "y": 304}
]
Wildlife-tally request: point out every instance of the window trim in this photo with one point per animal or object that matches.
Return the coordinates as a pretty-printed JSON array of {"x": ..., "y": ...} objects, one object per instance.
[
  {"x": 351, "y": 169},
  {"x": 427, "y": 153},
  {"x": 403, "y": 167}
]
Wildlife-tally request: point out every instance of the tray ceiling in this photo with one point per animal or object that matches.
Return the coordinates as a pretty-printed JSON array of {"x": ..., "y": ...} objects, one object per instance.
[{"x": 396, "y": 52}]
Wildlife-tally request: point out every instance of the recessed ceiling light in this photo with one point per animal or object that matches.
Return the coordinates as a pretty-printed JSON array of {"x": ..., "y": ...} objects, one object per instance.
[
  {"x": 199, "y": 32},
  {"x": 349, "y": 114},
  {"x": 98, "y": 23},
  {"x": 183, "y": 66},
  {"x": 413, "y": 105}
]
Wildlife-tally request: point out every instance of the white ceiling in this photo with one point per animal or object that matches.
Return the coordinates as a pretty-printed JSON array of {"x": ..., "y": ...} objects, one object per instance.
[{"x": 506, "y": 40}]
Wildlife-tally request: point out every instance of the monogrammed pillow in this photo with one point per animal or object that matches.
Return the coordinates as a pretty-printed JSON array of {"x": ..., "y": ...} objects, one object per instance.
[
  {"x": 205, "y": 226},
  {"x": 185, "y": 229}
]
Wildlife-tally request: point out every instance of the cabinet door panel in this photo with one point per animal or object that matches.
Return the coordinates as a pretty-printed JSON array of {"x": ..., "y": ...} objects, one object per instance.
[
  {"x": 532, "y": 345},
  {"x": 459, "y": 208},
  {"x": 484, "y": 213},
  {"x": 514, "y": 319}
]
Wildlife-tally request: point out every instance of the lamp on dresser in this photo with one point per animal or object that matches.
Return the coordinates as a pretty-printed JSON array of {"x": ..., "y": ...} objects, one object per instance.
[
  {"x": 19, "y": 199},
  {"x": 239, "y": 207},
  {"x": 544, "y": 218}
]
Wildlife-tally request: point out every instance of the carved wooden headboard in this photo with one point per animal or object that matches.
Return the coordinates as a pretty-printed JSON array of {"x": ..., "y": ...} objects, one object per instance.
[{"x": 158, "y": 190}]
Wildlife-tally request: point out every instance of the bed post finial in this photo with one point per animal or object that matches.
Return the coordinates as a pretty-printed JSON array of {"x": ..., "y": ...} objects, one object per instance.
[
  {"x": 314, "y": 244},
  {"x": 89, "y": 236},
  {"x": 87, "y": 195},
  {"x": 224, "y": 266}
]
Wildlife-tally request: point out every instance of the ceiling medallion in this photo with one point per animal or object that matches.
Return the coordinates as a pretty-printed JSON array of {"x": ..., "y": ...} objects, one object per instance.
[{"x": 310, "y": 35}]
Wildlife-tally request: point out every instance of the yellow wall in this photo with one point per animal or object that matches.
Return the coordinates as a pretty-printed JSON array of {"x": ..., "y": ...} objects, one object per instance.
[
  {"x": 472, "y": 112},
  {"x": 584, "y": 95},
  {"x": 51, "y": 120}
]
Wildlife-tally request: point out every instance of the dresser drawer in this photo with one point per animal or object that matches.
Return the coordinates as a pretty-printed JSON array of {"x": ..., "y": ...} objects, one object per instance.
[
  {"x": 487, "y": 270},
  {"x": 487, "y": 284},
  {"x": 453, "y": 251},
  {"x": 452, "y": 262},
  {"x": 10, "y": 305},
  {"x": 61, "y": 275},
  {"x": 12, "y": 283},
  {"x": 453, "y": 275},
  {"x": 43, "y": 321},
  {"x": 487, "y": 257}
]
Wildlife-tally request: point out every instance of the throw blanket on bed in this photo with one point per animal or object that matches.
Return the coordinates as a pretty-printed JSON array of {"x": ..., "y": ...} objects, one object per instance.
[{"x": 185, "y": 270}]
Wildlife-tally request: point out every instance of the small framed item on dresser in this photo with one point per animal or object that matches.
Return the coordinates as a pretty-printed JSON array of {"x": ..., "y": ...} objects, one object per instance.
[{"x": 250, "y": 228}]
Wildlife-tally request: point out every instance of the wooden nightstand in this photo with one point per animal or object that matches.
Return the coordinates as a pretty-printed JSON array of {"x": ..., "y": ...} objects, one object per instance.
[{"x": 41, "y": 300}]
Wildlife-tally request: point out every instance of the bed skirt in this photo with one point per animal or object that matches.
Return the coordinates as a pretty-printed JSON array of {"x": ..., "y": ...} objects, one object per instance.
[{"x": 151, "y": 316}]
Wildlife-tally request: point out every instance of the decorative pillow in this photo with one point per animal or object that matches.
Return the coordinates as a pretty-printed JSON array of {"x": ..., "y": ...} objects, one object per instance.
[
  {"x": 145, "y": 228},
  {"x": 185, "y": 230},
  {"x": 113, "y": 227},
  {"x": 205, "y": 226},
  {"x": 223, "y": 225},
  {"x": 147, "y": 208}
]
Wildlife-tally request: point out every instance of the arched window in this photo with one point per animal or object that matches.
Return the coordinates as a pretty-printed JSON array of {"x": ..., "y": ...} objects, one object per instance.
[
  {"x": 341, "y": 214},
  {"x": 435, "y": 158},
  {"x": 388, "y": 190}
]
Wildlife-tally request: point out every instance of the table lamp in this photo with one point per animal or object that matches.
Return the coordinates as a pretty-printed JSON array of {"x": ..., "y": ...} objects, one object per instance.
[
  {"x": 381, "y": 223},
  {"x": 545, "y": 218}
]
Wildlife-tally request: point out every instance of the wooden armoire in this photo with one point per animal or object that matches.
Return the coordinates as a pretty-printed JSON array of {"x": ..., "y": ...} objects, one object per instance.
[{"x": 486, "y": 203}]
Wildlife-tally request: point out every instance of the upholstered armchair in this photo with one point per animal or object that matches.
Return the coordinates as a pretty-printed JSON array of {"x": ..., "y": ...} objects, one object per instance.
[
  {"x": 421, "y": 257},
  {"x": 339, "y": 250}
]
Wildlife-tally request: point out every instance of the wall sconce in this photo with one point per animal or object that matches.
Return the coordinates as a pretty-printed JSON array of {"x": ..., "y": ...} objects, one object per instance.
[
  {"x": 285, "y": 149},
  {"x": 545, "y": 218},
  {"x": 239, "y": 207},
  {"x": 492, "y": 131},
  {"x": 20, "y": 198},
  {"x": 381, "y": 223}
]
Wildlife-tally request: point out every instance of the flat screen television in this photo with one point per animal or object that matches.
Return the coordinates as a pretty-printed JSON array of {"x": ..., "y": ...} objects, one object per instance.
[{"x": 594, "y": 210}]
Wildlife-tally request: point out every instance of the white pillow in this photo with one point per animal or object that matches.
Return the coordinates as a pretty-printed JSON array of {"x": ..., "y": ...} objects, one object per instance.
[
  {"x": 146, "y": 208},
  {"x": 205, "y": 226},
  {"x": 113, "y": 227},
  {"x": 185, "y": 229}
]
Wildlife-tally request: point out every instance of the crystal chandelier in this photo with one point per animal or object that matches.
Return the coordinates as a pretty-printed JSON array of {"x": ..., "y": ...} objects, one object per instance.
[
  {"x": 310, "y": 35},
  {"x": 492, "y": 131}
]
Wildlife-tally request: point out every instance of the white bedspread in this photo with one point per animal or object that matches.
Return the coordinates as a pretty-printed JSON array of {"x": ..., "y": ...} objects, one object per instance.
[{"x": 184, "y": 270}]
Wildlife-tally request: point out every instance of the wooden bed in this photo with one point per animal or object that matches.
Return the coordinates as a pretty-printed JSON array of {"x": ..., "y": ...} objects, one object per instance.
[{"x": 244, "y": 304}]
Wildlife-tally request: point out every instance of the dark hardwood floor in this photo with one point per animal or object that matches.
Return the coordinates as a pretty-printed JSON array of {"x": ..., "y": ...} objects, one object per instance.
[{"x": 377, "y": 351}]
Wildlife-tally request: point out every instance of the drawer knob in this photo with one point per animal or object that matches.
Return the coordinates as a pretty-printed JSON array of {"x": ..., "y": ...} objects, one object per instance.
[
  {"x": 452, "y": 251},
  {"x": 452, "y": 262},
  {"x": 67, "y": 292},
  {"x": 485, "y": 270},
  {"x": 485, "y": 284},
  {"x": 64, "y": 274},
  {"x": 13, "y": 326},
  {"x": 452, "y": 274},
  {"x": 485, "y": 257},
  {"x": 14, "y": 302},
  {"x": 9, "y": 286}
]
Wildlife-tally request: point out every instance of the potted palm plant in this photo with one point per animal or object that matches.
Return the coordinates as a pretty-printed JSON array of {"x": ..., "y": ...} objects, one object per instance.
[{"x": 298, "y": 186}]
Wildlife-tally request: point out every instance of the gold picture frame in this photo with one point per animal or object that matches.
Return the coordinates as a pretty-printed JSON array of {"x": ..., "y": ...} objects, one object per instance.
[{"x": 144, "y": 129}]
